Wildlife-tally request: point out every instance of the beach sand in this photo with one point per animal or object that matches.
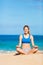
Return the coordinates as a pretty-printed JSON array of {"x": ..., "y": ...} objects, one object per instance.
[{"x": 31, "y": 59}]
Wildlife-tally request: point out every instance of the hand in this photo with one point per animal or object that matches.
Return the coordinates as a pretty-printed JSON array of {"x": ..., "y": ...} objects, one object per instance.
[
  {"x": 17, "y": 46},
  {"x": 35, "y": 46}
]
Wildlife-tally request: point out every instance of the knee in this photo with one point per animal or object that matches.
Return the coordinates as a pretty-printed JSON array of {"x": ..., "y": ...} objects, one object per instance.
[{"x": 35, "y": 50}]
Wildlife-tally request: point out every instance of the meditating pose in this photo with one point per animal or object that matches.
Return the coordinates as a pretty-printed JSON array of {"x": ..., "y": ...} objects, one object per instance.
[{"x": 24, "y": 42}]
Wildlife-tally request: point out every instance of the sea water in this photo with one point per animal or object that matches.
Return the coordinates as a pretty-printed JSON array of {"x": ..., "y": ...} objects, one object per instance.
[{"x": 9, "y": 42}]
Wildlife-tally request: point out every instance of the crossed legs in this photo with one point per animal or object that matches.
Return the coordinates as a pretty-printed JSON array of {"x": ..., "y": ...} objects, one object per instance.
[{"x": 19, "y": 50}]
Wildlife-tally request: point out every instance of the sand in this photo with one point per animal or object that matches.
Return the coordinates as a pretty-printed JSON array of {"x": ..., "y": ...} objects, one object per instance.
[{"x": 31, "y": 59}]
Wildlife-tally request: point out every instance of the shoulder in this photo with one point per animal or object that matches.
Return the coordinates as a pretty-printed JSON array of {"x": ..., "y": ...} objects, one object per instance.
[{"x": 31, "y": 36}]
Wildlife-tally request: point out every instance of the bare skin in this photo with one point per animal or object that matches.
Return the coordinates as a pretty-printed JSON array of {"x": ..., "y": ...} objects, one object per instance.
[
  {"x": 22, "y": 52},
  {"x": 19, "y": 50}
]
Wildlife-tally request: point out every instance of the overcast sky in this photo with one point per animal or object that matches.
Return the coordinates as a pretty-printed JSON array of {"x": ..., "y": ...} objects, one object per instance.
[{"x": 14, "y": 14}]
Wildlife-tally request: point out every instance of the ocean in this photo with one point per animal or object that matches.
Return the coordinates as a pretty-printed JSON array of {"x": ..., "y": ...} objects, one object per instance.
[{"x": 9, "y": 42}]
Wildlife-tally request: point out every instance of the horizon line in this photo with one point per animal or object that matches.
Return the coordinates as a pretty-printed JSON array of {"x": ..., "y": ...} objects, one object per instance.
[{"x": 19, "y": 34}]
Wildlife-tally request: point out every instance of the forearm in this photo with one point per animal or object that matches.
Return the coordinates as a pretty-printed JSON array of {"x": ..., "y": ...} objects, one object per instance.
[
  {"x": 19, "y": 44},
  {"x": 33, "y": 44}
]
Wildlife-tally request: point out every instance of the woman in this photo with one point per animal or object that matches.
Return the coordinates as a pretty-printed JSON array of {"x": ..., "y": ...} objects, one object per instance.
[{"x": 25, "y": 41}]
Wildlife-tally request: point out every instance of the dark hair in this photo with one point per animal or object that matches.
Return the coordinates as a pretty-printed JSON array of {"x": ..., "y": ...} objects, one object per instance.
[{"x": 27, "y": 27}]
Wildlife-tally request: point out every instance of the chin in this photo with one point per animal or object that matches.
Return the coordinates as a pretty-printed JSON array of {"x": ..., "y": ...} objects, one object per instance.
[{"x": 26, "y": 33}]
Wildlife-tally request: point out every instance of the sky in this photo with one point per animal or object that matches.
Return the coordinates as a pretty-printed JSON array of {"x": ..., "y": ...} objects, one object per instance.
[{"x": 14, "y": 14}]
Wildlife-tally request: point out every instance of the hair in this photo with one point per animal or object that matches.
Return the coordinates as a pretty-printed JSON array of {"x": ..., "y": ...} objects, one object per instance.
[{"x": 28, "y": 28}]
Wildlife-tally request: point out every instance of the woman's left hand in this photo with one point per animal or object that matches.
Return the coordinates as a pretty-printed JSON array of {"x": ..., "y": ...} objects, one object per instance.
[{"x": 35, "y": 47}]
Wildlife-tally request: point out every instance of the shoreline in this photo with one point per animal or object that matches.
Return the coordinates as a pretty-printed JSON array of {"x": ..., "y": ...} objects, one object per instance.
[
  {"x": 4, "y": 51},
  {"x": 14, "y": 51}
]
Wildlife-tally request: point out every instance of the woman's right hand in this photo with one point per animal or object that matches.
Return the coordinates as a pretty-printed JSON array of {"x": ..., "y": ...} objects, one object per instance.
[{"x": 17, "y": 46}]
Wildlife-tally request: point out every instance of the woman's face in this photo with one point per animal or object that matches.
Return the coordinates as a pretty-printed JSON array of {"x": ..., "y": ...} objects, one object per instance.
[{"x": 26, "y": 30}]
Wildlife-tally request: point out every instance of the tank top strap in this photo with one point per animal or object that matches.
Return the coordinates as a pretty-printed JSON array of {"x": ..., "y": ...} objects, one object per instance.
[
  {"x": 23, "y": 36},
  {"x": 29, "y": 35}
]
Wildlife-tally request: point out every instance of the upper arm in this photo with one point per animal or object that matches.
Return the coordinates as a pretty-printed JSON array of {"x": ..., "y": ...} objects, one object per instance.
[{"x": 31, "y": 37}]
